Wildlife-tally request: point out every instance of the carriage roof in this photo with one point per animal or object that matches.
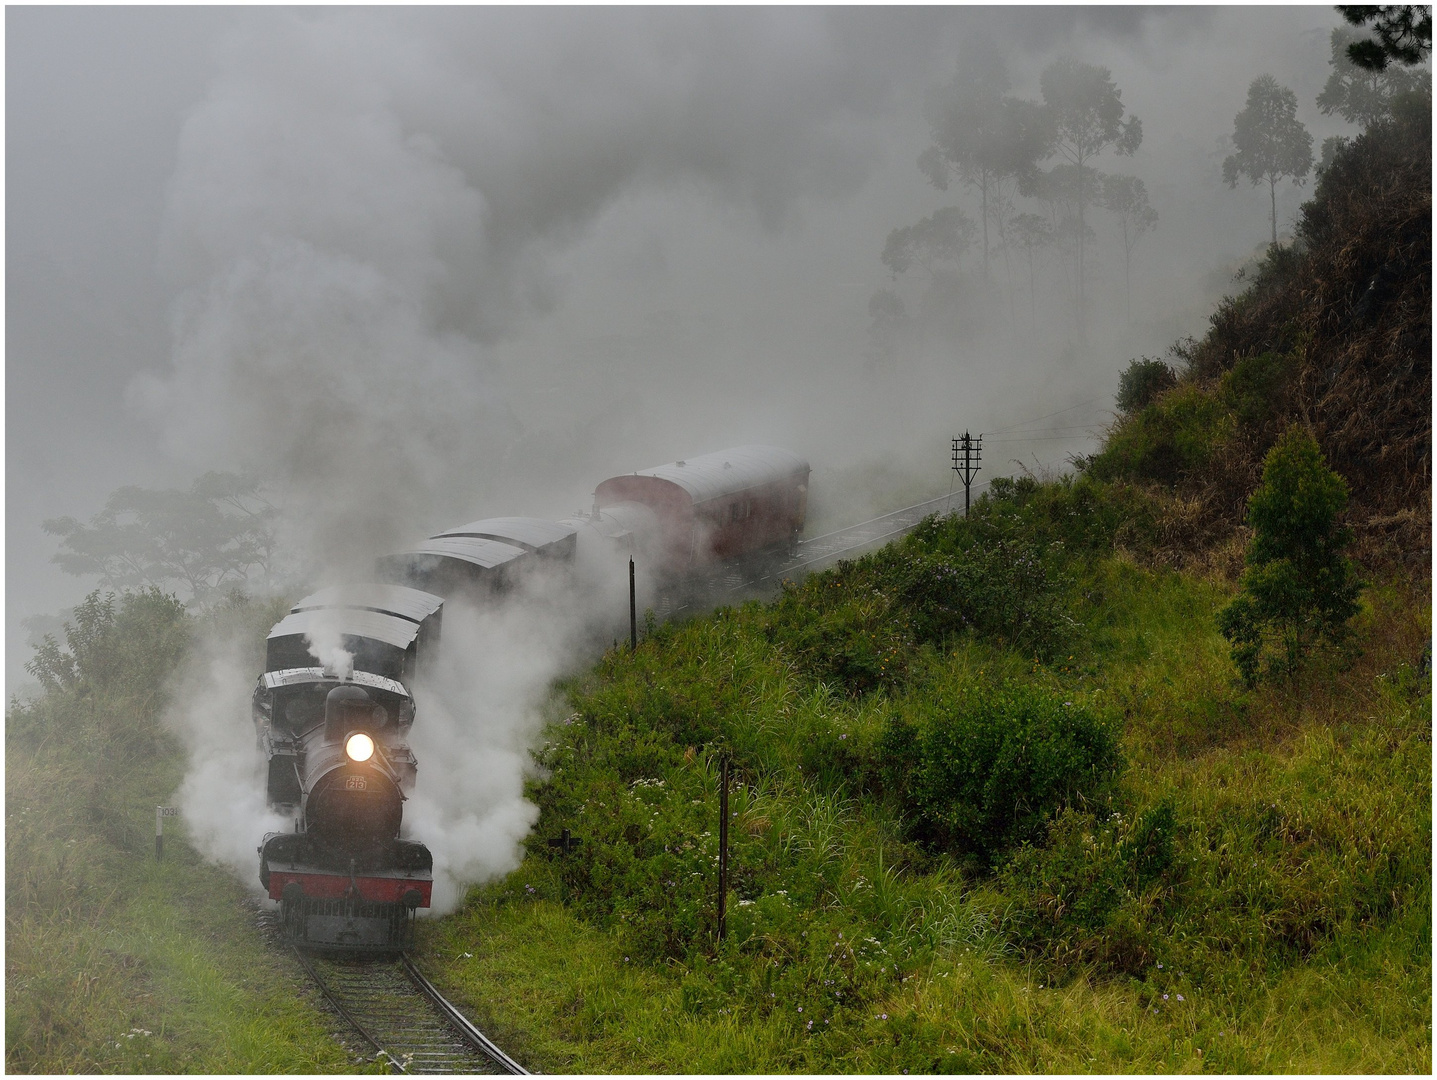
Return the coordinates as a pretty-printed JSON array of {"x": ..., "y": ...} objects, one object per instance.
[
  {"x": 728, "y": 472},
  {"x": 400, "y": 601}
]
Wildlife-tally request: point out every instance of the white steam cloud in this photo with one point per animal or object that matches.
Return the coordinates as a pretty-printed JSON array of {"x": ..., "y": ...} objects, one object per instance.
[
  {"x": 361, "y": 205},
  {"x": 326, "y": 644},
  {"x": 476, "y": 718},
  {"x": 222, "y": 797}
]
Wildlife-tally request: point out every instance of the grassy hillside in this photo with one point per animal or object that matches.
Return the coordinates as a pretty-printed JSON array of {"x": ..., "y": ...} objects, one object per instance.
[
  {"x": 1254, "y": 884},
  {"x": 113, "y": 962},
  {"x": 1001, "y": 801}
]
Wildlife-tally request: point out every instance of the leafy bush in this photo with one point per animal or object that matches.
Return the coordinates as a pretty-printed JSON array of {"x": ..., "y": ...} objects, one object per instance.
[
  {"x": 1299, "y": 588},
  {"x": 1142, "y": 381},
  {"x": 1005, "y": 591},
  {"x": 1166, "y": 440},
  {"x": 1251, "y": 387},
  {"x": 988, "y": 773},
  {"x": 140, "y": 640},
  {"x": 1070, "y": 517},
  {"x": 123, "y": 649},
  {"x": 1091, "y": 888},
  {"x": 858, "y": 625}
]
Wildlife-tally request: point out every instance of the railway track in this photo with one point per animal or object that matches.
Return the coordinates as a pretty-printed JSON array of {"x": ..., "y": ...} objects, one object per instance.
[
  {"x": 732, "y": 584},
  {"x": 397, "y": 1012},
  {"x": 818, "y": 551}
]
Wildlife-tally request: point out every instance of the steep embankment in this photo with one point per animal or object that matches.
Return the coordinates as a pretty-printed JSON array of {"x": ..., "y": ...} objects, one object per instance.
[
  {"x": 1000, "y": 801},
  {"x": 115, "y": 962},
  {"x": 1335, "y": 333}
]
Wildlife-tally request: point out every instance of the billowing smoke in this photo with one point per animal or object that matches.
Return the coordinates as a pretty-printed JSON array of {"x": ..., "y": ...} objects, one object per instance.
[
  {"x": 477, "y": 716},
  {"x": 361, "y": 206},
  {"x": 365, "y": 202},
  {"x": 325, "y": 639},
  {"x": 222, "y": 797}
]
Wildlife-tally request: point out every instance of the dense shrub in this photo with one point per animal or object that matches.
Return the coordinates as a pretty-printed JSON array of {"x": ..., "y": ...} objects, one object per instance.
[
  {"x": 987, "y": 773},
  {"x": 1299, "y": 588},
  {"x": 1168, "y": 440},
  {"x": 1142, "y": 381},
  {"x": 1005, "y": 591},
  {"x": 857, "y": 626},
  {"x": 123, "y": 648},
  {"x": 1070, "y": 517},
  {"x": 1091, "y": 888}
]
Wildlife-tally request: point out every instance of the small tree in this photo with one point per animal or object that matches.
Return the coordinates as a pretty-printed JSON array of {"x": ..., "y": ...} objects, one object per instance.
[
  {"x": 1299, "y": 588},
  {"x": 1086, "y": 111},
  {"x": 885, "y": 330},
  {"x": 1126, "y": 198},
  {"x": 208, "y": 539},
  {"x": 984, "y": 138},
  {"x": 1271, "y": 142},
  {"x": 1032, "y": 233},
  {"x": 942, "y": 237},
  {"x": 1142, "y": 381}
]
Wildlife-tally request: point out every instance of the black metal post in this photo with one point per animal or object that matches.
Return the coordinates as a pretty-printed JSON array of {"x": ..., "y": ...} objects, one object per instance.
[
  {"x": 723, "y": 849},
  {"x": 633, "y": 612}
]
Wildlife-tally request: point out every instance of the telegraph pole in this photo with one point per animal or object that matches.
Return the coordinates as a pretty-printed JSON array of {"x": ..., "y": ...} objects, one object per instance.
[{"x": 967, "y": 452}]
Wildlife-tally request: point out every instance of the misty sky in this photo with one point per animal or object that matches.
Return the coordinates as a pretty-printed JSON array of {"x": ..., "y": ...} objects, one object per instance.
[{"x": 427, "y": 265}]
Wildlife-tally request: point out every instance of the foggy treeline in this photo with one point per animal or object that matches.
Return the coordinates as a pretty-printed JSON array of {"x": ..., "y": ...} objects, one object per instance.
[
  {"x": 1037, "y": 235},
  {"x": 410, "y": 268}
]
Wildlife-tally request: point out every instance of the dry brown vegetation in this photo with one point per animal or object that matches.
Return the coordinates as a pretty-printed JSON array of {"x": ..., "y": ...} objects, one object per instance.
[{"x": 1346, "y": 312}]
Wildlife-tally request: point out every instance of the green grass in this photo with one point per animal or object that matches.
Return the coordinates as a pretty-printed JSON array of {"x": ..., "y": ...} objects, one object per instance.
[
  {"x": 114, "y": 962},
  {"x": 1265, "y": 855}
]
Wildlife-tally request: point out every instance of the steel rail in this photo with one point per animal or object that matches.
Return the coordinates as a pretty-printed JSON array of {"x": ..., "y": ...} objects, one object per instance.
[
  {"x": 859, "y": 542},
  {"x": 461, "y": 1023},
  {"x": 871, "y": 521},
  {"x": 348, "y": 1016}
]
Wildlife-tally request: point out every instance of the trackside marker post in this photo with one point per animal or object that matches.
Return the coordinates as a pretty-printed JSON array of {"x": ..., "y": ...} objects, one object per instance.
[
  {"x": 633, "y": 612},
  {"x": 723, "y": 850},
  {"x": 162, "y": 812}
]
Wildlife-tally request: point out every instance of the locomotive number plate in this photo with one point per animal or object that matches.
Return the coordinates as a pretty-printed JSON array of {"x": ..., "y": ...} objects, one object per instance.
[{"x": 355, "y": 783}]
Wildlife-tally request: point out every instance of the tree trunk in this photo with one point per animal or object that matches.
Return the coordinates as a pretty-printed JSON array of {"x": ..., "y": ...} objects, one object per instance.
[
  {"x": 1081, "y": 230},
  {"x": 983, "y": 189},
  {"x": 1127, "y": 277},
  {"x": 1272, "y": 189}
]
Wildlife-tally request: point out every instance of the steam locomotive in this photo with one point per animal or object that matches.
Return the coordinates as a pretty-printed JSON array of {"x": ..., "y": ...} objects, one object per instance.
[{"x": 335, "y": 738}]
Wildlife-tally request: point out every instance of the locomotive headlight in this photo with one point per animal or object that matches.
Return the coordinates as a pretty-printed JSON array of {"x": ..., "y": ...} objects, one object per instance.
[{"x": 359, "y": 747}]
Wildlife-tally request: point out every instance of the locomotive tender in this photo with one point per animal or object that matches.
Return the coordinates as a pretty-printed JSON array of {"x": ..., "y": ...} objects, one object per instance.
[{"x": 335, "y": 741}]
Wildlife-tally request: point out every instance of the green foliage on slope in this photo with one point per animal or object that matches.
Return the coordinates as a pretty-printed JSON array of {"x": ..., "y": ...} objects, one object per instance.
[
  {"x": 1183, "y": 903},
  {"x": 114, "y": 962},
  {"x": 936, "y": 862}
]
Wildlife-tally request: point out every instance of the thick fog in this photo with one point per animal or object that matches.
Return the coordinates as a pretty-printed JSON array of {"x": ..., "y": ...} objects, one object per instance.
[{"x": 419, "y": 266}]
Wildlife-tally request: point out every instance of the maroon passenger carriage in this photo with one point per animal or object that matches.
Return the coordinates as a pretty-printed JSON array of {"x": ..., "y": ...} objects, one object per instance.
[
  {"x": 722, "y": 507},
  {"x": 336, "y": 743}
]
